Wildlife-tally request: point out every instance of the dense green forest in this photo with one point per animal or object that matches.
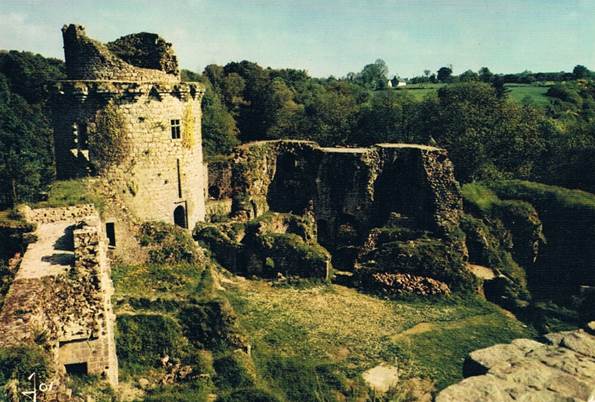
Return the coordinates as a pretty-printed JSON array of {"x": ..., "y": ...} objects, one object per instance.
[{"x": 488, "y": 134}]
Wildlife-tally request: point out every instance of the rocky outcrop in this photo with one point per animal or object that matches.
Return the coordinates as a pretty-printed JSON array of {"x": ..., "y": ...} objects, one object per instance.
[
  {"x": 561, "y": 369},
  {"x": 355, "y": 186}
]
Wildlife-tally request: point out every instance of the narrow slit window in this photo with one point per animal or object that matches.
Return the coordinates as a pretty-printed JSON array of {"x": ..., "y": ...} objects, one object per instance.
[
  {"x": 175, "y": 129},
  {"x": 179, "y": 178},
  {"x": 110, "y": 231},
  {"x": 83, "y": 136}
]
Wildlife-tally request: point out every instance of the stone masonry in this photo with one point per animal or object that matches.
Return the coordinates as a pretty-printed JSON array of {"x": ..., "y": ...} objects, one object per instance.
[
  {"x": 60, "y": 298},
  {"x": 359, "y": 187},
  {"x": 125, "y": 116}
]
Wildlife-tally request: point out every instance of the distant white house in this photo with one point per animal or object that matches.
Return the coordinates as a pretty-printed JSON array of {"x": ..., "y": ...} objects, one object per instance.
[{"x": 396, "y": 82}]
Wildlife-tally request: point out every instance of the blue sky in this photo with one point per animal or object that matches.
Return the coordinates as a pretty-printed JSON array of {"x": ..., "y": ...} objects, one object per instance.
[{"x": 327, "y": 36}]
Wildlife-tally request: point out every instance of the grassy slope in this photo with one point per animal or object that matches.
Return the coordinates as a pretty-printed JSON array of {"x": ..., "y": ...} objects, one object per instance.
[{"x": 427, "y": 338}]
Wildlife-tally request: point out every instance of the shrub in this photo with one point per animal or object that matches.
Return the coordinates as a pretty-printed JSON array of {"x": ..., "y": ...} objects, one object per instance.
[
  {"x": 168, "y": 244},
  {"x": 21, "y": 361}
]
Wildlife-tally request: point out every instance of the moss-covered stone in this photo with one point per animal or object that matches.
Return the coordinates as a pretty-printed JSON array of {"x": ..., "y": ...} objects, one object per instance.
[
  {"x": 287, "y": 254},
  {"x": 226, "y": 251},
  {"x": 566, "y": 262},
  {"x": 168, "y": 244}
]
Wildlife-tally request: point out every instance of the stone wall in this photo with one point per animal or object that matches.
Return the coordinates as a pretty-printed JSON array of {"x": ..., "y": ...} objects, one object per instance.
[
  {"x": 49, "y": 215},
  {"x": 119, "y": 125},
  {"x": 359, "y": 187},
  {"x": 69, "y": 312},
  {"x": 88, "y": 59},
  {"x": 219, "y": 174},
  {"x": 389, "y": 213}
]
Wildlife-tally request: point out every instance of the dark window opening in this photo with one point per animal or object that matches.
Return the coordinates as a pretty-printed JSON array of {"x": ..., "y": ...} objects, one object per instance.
[
  {"x": 179, "y": 179},
  {"x": 76, "y": 369},
  {"x": 214, "y": 192},
  {"x": 175, "y": 129},
  {"x": 180, "y": 217},
  {"x": 83, "y": 136},
  {"x": 110, "y": 231}
]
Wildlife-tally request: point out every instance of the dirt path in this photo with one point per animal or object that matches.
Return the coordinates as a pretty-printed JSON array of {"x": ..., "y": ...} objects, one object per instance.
[{"x": 51, "y": 254}]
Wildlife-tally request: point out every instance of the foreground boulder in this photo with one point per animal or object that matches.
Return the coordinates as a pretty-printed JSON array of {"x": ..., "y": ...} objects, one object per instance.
[{"x": 562, "y": 369}]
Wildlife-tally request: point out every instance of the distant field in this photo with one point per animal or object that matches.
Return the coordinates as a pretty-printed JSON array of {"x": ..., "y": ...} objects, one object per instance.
[
  {"x": 524, "y": 93},
  {"x": 529, "y": 93}
]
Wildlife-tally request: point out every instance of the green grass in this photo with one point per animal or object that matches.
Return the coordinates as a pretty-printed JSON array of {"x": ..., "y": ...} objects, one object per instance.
[
  {"x": 340, "y": 326},
  {"x": 480, "y": 196},
  {"x": 544, "y": 194},
  {"x": 64, "y": 193},
  {"x": 525, "y": 93},
  {"x": 154, "y": 281}
]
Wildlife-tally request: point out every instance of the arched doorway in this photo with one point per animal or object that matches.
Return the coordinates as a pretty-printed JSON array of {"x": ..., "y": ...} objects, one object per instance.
[{"x": 180, "y": 217}]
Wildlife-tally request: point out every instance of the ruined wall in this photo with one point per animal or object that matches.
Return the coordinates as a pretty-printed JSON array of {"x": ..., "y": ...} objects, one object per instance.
[
  {"x": 123, "y": 130},
  {"x": 88, "y": 59},
  {"x": 359, "y": 187},
  {"x": 67, "y": 311},
  {"x": 219, "y": 177}
]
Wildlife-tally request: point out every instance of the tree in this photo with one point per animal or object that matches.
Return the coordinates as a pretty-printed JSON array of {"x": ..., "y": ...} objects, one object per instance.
[
  {"x": 251, "y": 114},
  {"x": 485, "y": 74},
  {"x": 215, "y": 75},
  {"x": 580, "y": 72},
  {"x": 386, "y": 118},
  {"x": 444, "y": 74},
  {"x": 374, "y": 76},
  {"x": 427, "y": 73},
  {"x": 284, "y": 113},
  {"x": 218, "y": 125},
  {"x": 469, "y": 76},
  {"x": 486, "y": 136},
  {"x": 26, "y": 156}
]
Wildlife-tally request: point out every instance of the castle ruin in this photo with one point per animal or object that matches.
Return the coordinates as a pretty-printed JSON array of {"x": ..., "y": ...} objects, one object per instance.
[{"x": 124, "y": 115}]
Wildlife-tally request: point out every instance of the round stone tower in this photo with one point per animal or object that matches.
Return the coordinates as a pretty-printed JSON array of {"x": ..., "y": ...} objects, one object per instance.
[{"x": 124, "y": 115}]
